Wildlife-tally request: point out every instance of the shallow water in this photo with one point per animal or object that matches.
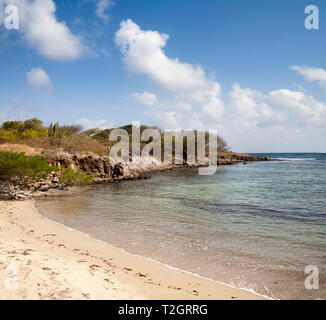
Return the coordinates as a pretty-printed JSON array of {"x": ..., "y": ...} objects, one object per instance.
[{"x": 255, "y": 226}]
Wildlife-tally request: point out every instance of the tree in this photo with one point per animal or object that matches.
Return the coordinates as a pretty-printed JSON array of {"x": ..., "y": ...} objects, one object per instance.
[
  {"x": 34, "y": 124},
  {"x": 12, "y": 125}
]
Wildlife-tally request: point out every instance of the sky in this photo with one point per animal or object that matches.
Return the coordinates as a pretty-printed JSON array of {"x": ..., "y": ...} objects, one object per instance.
[{"x": 249, "y": 69}]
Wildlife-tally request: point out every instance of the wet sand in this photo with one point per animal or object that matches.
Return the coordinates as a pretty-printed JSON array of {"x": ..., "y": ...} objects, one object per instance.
[{"x": 40, "y": 259}]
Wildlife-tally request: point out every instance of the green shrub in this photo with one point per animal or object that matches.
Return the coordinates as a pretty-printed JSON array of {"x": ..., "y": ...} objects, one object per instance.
[
  {"x": 9, "y": 135},
  {"x": 75, "y": 178},
  {"x": 34, "y": 124},
  {"x": 16, "y": 131},
  {"x": 14, "y": 164},
  {"x": 12, "y": 125},
  {"x": 32, "y": 133}
]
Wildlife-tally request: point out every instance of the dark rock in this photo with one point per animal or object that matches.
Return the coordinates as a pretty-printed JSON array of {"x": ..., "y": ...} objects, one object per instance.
[
  {"x": 55, "y": 180},
  {"x": 118, "y": 171}
]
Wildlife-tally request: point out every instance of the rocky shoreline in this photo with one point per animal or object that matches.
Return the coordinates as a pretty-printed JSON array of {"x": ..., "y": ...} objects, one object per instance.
[{"x": 104, "y": 170}]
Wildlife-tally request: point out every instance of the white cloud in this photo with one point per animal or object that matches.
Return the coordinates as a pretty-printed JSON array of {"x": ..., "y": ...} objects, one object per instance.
[
  {"x": 90, "y": 124},
  {"x": 278, "y": 119},
  {"x": 213, "y": 108},
  {"x": 102, "y": 6},
  {"x": 252, "y": 108},
  {"x": 143, "y": 54},
  {"x": 43, "y": 32},
  {"x": 145, "y": 98},
  {"x": 312, "y": 74},
  {"x": 168, "y": 119},
  {"x": 194, "y": 94},
  {"x": 244, "y": 101},
  {"x": 306, "y": 108},
  {"x": 38, "y": 78},
  {"x": 278, "y": 107}
]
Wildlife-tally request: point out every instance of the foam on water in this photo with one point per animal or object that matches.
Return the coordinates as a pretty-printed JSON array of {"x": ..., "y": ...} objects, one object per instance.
[{"x": 296, "y": 159}]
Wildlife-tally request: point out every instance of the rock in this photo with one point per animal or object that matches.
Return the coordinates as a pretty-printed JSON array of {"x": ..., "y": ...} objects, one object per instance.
[
  {"x": 55, "y": 180},
  {"x": 44, "y": 188},
  {"x": 20, "y": 197},
  {"x": 118, "y": 171}
]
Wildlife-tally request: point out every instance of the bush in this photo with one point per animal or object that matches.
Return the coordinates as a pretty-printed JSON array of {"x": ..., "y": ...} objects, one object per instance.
[
  {"x": 9, "y": 135},
  {"x": 34, "y": 124},
  {"x": 32, "y": 133},
  {"x": 16, "y": 131},
  {"x": 12, "y": 125},
  {"x": 14, "y": 164},
  {"x": 75, "y": 178}
]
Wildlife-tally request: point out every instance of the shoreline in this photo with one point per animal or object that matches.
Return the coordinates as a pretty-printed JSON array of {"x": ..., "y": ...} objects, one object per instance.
[
  {"x": 100, "y": 167},
  {"x": 51, "y": 260}
]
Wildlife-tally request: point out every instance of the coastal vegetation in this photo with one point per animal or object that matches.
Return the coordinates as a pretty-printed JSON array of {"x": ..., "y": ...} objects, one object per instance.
[
  {"x": 18, "y": 165},
  {"x": 35, "y": 158},
  {"x": 20, "y": 168},
  {"x": 72, "y": 138},
  {"x": 75, "y": 177}
]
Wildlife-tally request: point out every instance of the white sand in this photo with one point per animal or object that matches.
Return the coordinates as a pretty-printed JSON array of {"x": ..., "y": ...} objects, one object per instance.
[{"x": 40, "y": 259}]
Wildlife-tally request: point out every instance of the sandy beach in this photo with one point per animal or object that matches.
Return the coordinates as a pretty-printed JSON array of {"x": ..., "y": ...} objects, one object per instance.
[{"x": 40, "y": 259}]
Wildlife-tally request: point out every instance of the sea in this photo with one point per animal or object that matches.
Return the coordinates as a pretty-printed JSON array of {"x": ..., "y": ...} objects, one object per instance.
[{"x": 259, "y": 226}]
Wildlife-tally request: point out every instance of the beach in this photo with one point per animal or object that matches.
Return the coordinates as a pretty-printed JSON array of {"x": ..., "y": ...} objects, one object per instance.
[{"x": 41, "y": 259}]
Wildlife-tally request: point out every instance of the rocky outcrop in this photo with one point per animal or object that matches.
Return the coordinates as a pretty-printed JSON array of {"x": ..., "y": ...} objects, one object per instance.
[
  {"x": 231, "y": 158},
  {"x": 104, "y": 170},
  {"x": 99, "y": 166},
  {"x": 21, "y": 189}
]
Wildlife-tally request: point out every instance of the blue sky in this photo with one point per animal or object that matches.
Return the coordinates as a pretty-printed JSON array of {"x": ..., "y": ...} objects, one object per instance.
[{"x": 248, "y": 68}]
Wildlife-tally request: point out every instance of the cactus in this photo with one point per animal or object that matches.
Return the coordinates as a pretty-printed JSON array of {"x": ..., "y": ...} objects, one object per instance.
[
  {"x": 52, "y": 132},
  {"x": 55, "y": 134}
]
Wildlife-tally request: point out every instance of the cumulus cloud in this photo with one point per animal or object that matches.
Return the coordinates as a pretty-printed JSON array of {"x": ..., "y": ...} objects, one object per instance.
[
  {"x": 312, "y": 74},
  {"x": 102, "y": 7},
  {"x": 306, "y": 108},
  {"x": 283, "y": 119},
  {"x": 145, "y": 98},
  {"x": 194, "y": 94},
  {"x": 90, "y": 124},
  {"x": 278, "y": 107},
  {"x": 245, "y": 101},
  {"x": 143, "y": 53},
  {"x": 38, "y": 78},
  {"x": 277, "y": 120},
  {"x": 42, "y": 31},
  {"x": 253, "y": 107}
]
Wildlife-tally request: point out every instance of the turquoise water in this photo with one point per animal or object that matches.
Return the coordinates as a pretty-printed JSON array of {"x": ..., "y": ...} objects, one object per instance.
[{"x": 255, "y": 226}]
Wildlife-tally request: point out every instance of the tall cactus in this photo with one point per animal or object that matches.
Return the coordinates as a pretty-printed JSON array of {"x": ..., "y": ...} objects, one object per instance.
[
  {"x": 55, "y": 134},
  {"x": 52, "y": 130}
]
